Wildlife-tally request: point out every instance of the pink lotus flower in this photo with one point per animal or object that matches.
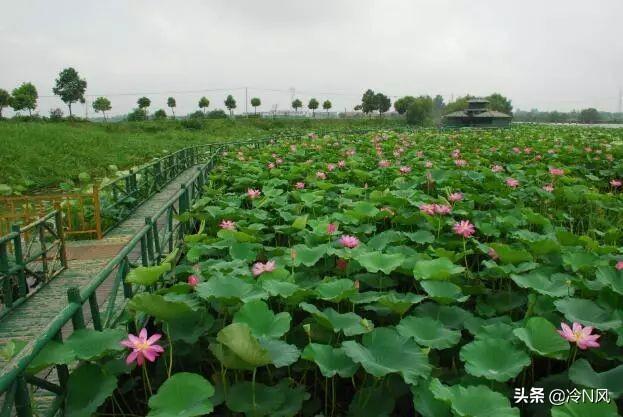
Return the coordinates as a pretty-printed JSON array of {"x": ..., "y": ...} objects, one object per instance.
[
  {"x": 349, "y": 241},
  {"x": 619, "y": 265},
  {"x": 428, "y": 164},
  {"x": 460, "y": 162},
  {"x": 442, "y": 209},
  {"x": 464, "y": 228},
  {"x": 538, "y": 157},
  {"x": 193, "y": 280},
  {"x": 299, "y": 185},
  {"x": 405, "y": 170},
  {"x": 512, "y": 182},
  {"x": 253, "y": 193},
  {"x": 384, "y": 163},
  {"x": 293, "y": 148},
  {"x": 516, "y": 150},
  {"x": 228, "y": 225},
  {"x": 271, "y": 165},
  {"x": 497, "y": 168},
  {"x": 527, "y": 150},
  {"x": 341, "y": 164},
  {"x": 341, "y": 264},
  {"x": 321, "y": 175},
  {"x": 454, "y": 197},
  {"x": 259, "y": 268},
  {"x": 549, "y": 188},
  {"x": 616, "y": 183},
  {"x": 419, "y": 154},
  {"x": 428, "y": 209},
  {"x": 556, "y": 171},
  {"x": 279, "y": 161},
  {"x": 331, "y": 228},
  {"x": 142, "y": 347},
  {"x": 330, "y": 167},
  {"x": 579, "y": 335}
]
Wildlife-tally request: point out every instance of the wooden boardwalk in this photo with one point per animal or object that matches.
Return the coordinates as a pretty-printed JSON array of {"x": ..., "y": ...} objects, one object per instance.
[{"x": 85, "y": 260}]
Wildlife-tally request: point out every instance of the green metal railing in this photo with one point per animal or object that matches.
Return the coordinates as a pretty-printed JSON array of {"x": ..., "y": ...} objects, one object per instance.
[{"x": 30, "y": 257}]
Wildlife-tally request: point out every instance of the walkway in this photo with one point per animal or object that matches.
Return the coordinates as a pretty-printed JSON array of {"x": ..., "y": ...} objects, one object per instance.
[{"x": 85, "y": 260}]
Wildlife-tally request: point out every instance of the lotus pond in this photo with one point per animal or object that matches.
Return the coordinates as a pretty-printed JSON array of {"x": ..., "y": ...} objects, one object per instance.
[{"x": 385, "y": 274}]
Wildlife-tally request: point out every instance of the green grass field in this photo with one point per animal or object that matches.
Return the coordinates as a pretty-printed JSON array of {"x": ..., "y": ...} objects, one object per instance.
[{"x": 39, "y": 155}]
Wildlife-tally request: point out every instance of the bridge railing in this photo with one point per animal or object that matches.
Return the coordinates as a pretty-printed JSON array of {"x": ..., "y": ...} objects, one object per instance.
[{"x": 30, "y": 257}]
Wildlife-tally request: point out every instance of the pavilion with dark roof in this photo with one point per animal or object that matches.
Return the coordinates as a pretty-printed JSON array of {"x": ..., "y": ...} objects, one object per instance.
[{"x": 477, "y": 114}]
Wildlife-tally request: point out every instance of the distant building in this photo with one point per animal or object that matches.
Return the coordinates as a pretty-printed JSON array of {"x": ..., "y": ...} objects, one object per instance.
[{"x": 477, "y": 114}]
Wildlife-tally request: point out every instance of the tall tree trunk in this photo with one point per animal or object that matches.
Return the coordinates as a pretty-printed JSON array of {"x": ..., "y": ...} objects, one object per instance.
[
  {"x": 104, "y": 113},
  {"x": 69, "y": 109}
]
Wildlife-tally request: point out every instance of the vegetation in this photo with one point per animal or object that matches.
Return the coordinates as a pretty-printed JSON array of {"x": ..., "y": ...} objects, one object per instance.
[
  {"x": 255, "y": 102},
  {"x": 38, "y": 155},
  {"x": 497, "y": 102},
  {"x": 204, "y": 103},
  {"x": 102, "y": 104},
  {"x": 171, "y": 104},
  {"x": 70, "y": 87},
  {"x": 5, "y": 100},
  {"x": 230, "y": 103},
  {"x": 24, "y": 97},
  {"x": 326, "y": 105},
  {"x": 313, "y": 105},
  {"x": 326, "y": 278},
  {"x": 297, "y": 104},
  {"x": 420, "y": 111}
]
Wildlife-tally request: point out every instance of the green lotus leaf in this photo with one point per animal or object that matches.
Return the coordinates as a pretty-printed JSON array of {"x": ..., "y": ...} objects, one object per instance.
[
  {"x": 555, "y": 285},
  {"x": 426, "y": 404},
  {"x": 300, "y": 222},
  {"x": 53, "y": 353},
  {"x": 331, "y": 361},
  {"x": 371, "y": 402},
  {"x": 377, "y": 261},
  {"x": 384, "y": 351},
  {"x": 280, "y": 353},
  {"x": 540, "y": 336},
  {"x": 586, "y": 409},
  {"x": 159, "y": 307},
  {"x": 281, "y": 400},
  {"x": 579, "y": 260},
  {"x": 381, "y": 240},
  {"x": 421, "y": 237},
  {"x": 443, "y": 291},
  {"x": 495, "y": 359},
  {"x": 335, "y": 290},
  {"x": 87, "y": 388},
  {"x": 244, "y": 251},
  {"x": 473, "y": 401},
  {"x": 189, "y": 328},
  {"x": 436, "y": 269},
  {"x": 583, "y": 374},
  {"x": 428, "y": 332},
  {"x": 226, "y": 288},
  {"x": 279, "y": 288},
  {"x": 350, "y": 324},
  {"x": 239, "y": 339},
  {"x": 611, "y": 277},
  {"x": 90, "y": 344},
  {"x": 182, "y": 395},
  {"x": 262, "y": 321},
  {"x": 147, "y": 275},
  {"x": 511, "y": 255},
  {"x": 308, "y": 256},
  {"x": 451, "y": 316},
  {"x": 588, "y": 313},
  {"x": 396, "y": 302}
]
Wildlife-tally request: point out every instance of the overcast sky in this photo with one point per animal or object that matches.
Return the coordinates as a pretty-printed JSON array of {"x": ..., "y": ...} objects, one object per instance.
[{"x": 549, "y": 54}]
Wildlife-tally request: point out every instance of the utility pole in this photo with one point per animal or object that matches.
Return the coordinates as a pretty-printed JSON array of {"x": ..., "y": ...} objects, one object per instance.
[{"x": 246, "y": 101}]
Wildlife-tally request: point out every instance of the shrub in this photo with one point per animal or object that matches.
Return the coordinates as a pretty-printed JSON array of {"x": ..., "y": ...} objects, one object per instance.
[
  {"x": 137, "y": 115},
  {"x": 56, "y": 114}
]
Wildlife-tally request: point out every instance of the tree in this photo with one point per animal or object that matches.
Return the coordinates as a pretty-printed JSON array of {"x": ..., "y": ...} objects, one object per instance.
[
  {"x": 368, "y": 102},
  {"x": 102, "y": 104},
  {"x": 171, "y": 103},
  {"x": 438, "y": 104},
  {"x": 70, "y": 87},
  {"x": 402, "y": 104},
  {"x": 327, "y": 106},
  {"x": 160, "y": 114},
  {"x": 589, "y": 115},
  {"x": 204, "y": 103},
  {"x": 358, "y": 107},
  {"x": 56, "y": 114},
  {"x": 383, "y": 103},
  {"x": 457, "y": 105},
  {"x": 313, "y": 105},
  {"x": 297, "y": 104},
  {"x": 5, "y": 100},
  {"x": 230, "y": 103},
  {"x": 143, "y": 104},
  {"x": 420, "y": 111},
  {"x": 500, "y": 103},
  {"x": 25, "y": 97},
  {"x": 255, "y": 102},
  {"x": 137, "y": 115}
]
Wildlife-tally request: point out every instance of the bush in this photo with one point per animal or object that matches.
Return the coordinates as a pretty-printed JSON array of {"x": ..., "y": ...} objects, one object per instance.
[
  {"x": 137, "y": 115},
  {"x": 420, "y": 111},
  {"x": 56, "y": 114},
  {"x": 192, "y": 124},
  {"x": 196, "y": 115},
  {"x": 216, "y": 114},
  {"x": 159, "y": 115}
]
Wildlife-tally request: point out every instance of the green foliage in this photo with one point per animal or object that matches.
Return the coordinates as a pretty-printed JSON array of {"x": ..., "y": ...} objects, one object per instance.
[
  {"x": 182, "y": 395},
  {"x": 420, "y": 111},
  {"x": 326, "y": 105},
  {"x": 369, "y": 102},
  {"x": 255, "y": 102},
  {"x": 313, "y": 105},
  {"x": 383, "y": 103},
  {"x": 137, "y": 115},
  {"x": 589, "y": 115},
  {"x": 70, "y": 87},
  {"x": 5, "y": 100},
  {"x": 500, "y": 103},
  {"x": 402, "y": 104},
  {"x": 204, "y": 103},
  {"x": 159, "y": 114},
  {"x": 171, "y": 103},
  {"x": 230, "y": 103},
  {"x": 102, "y": 104},
  {"x": 24, "y": 97},
  {"x": 143, "y": 103},
  {"x": 297, "y": 104}
]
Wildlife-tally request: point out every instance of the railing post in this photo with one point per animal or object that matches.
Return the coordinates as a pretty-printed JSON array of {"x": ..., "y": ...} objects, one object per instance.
[
  {"x": 60, "y": 232},
  {"x": 44, "y": 251},
  {"x": 97, "y": 211},
  {"x": 22, "y": 285},
  {"x": 158, "y": 167},
  {"x": 62, "y": 371},
  {"x": 77, "y": 319},
  {"x": 170, "y": 227},
  {"x": 4, "y": 269},
  {"x": 95, "y": 311},
  {"x": 183, "y": 206},
  {"x": 155, "y": 237},
  {"x": 22, "y": 398},
  {"x": 150, "y": 241},
  {"x": 144, "y": 256}
]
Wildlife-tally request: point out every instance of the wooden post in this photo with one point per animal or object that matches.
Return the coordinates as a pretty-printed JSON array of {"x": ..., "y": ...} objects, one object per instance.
[
  {"x": 19, "y": 261},
  {"x": 95, "y": 312},
  {"x": 44, "y": 251},
  {"x": 58, "y": 219},
  {"x": 4, "y": 268},
  {"x": 144, "y": 258},
  {"x": 73, "y": 296},
  {"x": 97, "y": 211},
  {"x": 22, "y": 398},
  {"x": 150, "y": 241}
]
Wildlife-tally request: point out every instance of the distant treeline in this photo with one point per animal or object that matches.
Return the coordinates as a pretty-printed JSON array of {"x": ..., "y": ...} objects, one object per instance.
[{"x": 589, "y": 115}]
